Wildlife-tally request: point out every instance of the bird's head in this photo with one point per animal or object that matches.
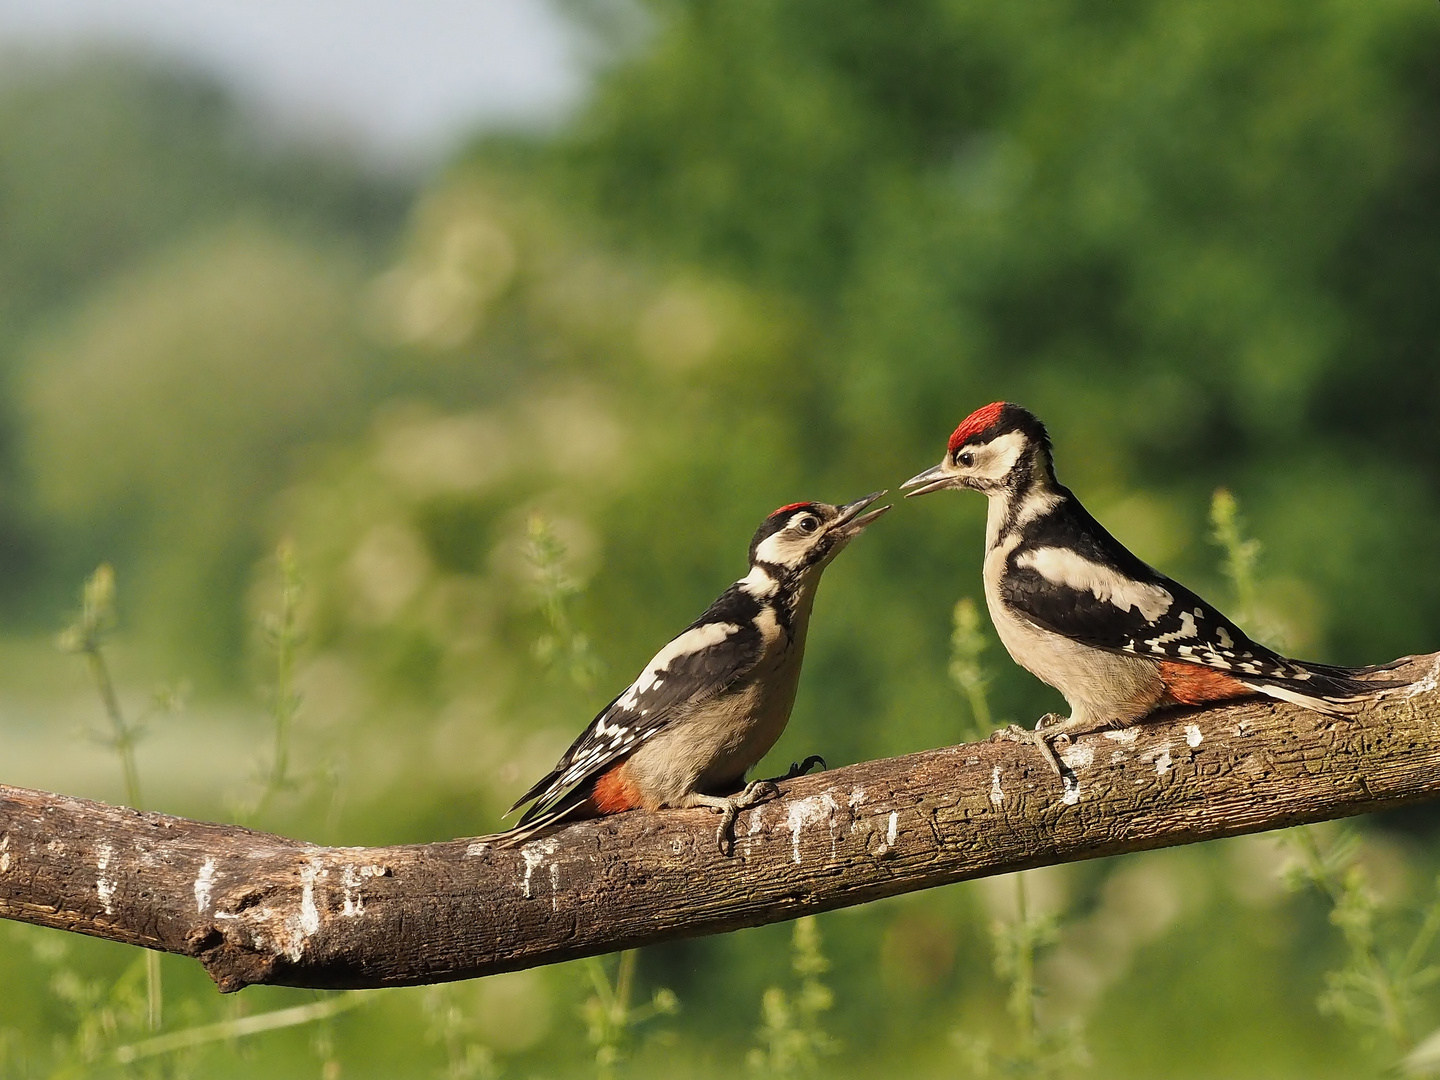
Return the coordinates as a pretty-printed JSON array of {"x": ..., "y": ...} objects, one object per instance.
[
  {"x": 807, "y": 535},
  {"x": 996, "y": 450}
]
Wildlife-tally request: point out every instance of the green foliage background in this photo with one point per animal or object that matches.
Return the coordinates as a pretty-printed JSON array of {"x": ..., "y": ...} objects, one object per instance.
[{"x": 781, "y": 252}]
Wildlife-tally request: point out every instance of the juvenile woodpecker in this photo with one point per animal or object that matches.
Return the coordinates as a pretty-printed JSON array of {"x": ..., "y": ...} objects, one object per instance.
[
  {"x": 1077, "y": 610},
  {"x": 710, "y": 704}
]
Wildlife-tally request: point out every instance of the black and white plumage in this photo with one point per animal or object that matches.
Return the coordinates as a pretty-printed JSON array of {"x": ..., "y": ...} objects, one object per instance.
[
  {"x": 712, "y": 702},
  {"x": 1078, "y": 610}
]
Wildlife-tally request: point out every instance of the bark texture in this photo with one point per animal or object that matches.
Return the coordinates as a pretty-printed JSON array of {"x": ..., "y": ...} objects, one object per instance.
[{"x": 255, "y": 908}]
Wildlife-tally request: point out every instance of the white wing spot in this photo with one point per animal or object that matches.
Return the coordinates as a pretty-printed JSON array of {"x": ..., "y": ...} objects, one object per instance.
[
  {"x": 1187, "y": 630},
  {"x": 687, "y": 644},
  {"x": 1064, "y": 567}
]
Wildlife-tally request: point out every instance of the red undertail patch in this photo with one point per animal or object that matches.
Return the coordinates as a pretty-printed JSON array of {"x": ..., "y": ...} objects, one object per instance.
[
  {"x": 615, "y": 792},
  {"x": 1192, "y": 684}
]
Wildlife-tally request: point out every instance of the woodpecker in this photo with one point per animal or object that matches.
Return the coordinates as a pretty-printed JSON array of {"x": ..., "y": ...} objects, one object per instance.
[
  {"x": 1078, "y": 611},
  {"x": 712, "y": 702}
]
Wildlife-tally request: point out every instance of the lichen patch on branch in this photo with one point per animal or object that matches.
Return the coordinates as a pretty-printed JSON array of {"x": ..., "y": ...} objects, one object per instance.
[
  {"x": 105, "y": 886},
  {"x": 204, "y": 882}
]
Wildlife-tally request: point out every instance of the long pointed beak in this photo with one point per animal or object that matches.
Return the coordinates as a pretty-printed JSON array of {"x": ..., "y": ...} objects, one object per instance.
[
  {"x": 933, "y": 479},
  {"x": 851, "y": 520}
]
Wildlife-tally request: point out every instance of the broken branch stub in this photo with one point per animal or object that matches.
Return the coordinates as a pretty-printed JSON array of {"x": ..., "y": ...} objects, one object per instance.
[{"x": 255, "y": 908}]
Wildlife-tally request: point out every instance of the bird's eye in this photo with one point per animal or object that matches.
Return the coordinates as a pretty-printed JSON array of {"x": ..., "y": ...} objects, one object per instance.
[
  {"x": 965, "y": 458},
  {"x": 808, "y": 525}
]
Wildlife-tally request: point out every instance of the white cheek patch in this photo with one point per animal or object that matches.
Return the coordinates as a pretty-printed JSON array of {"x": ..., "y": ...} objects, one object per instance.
[
  {"x": 780, "y": 549},
  {"x": 1063, "y": 567},
  {"x": 692, "y": 641},
  {"x": 998, "y": 457}
]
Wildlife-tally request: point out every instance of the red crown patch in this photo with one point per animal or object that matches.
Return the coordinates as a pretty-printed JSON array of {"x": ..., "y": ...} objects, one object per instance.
[{"x": 975, "y": 423}]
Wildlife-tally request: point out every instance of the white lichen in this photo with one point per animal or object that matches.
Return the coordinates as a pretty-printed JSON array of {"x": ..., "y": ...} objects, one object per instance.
[
  {"x": 1071, "y": 784},
  {"x": 104, "y": 886},
  {"x": 805, "y": 812},
  {"x": 1193, "y": 738},
  {"x": 1162, "y": 761},
  {"x": 1427, "y": 684},
  {"x": 894, "y": 828},
  {"x": 1125, "y": 736},
  {"x": 352, "y": 878},
  {"x": 299, "y": 927},
  {"x": 4, "y": 854},
  {"x": 997, "y": 793},
  {"x": 534, "y": 854},
  {"x": 204, "y": 881},
  {"x": 1078, "y": 755}
]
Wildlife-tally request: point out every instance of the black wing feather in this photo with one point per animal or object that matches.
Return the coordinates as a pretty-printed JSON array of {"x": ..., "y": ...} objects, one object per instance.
[
  {"x": 635, "y": 715},
  {"x": 1189, "y": 631}
]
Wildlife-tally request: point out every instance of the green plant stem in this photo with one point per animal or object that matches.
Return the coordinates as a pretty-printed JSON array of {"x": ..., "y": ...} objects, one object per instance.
[
  {"x": 283, "y": 632},
  {"x": 124, "y": 736},
  {"x": 1362, "y": 946},
  {"x": 1022, "y": 988},
  {"x": 186, "y": 1038},
  {"x": 124, "y": 743},
  {"x": 624, "y": 982},
  {"x": 125, "y": 748}
]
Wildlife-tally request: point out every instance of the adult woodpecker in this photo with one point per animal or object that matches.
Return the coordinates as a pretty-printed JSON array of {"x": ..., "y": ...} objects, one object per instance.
[
  {"x": 710, "y": 704},
  {"x": 1077, "y": 610}
]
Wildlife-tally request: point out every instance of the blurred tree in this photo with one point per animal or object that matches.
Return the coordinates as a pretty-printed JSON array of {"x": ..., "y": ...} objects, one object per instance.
[{"x": 105, "y": 159}]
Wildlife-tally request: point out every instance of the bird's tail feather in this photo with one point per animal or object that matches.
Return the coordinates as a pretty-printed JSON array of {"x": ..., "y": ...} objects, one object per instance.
[
  {"x": 536, "y": 792},
  {"x": 1324, "y": 688},
  {"x": 564, "y": 808}
]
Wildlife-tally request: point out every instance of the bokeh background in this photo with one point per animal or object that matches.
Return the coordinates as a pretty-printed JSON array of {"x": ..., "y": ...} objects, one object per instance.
[{"x": 514, "y": 346}]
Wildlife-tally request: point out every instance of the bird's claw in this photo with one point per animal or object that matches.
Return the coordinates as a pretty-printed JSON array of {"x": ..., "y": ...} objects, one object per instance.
[
  {"x": 801, "y": 768},
  {"x": 756, "y": 792},
  {"x": 1038, "y": 739}
]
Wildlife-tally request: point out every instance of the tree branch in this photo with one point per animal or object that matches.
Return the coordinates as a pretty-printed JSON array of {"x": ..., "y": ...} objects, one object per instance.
[{"x": 255, "y": 908}]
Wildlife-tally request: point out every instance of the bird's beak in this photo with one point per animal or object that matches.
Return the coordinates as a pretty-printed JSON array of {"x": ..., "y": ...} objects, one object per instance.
[
  {"x": 851, "y": 520},
  {"x": 934, "y": 479}
]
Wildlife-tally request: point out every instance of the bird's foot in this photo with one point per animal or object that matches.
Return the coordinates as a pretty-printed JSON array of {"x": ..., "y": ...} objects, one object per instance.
[
  {"x": 1043, "y": 738},
  {"x": 755, "y": 793}
]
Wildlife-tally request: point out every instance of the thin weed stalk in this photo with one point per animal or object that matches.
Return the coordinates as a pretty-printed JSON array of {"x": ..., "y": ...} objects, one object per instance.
[
  {"x": 967, "y": 671},
  {"x": 561, "y": 647},
  {"x": 240, "y": 1027},
  {"x": 792, "y": 1038},
  {"x": 611, "y": 1020},
  {"x": 86, "y": 636},
  {"x": 1037, "y": 1051},
  {"x": 284, "y": 637},
  {"x": 1374, "y": 989}
]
